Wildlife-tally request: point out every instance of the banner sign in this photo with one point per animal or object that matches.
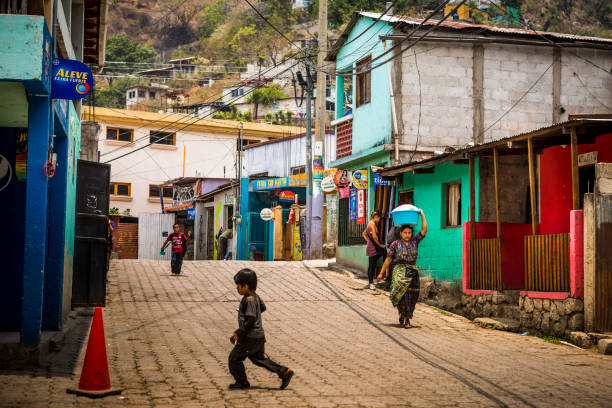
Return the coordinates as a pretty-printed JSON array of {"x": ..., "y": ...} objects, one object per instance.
[
  {"x": 327, "y": 185},
  {"x": 379, "y": 181},
  {"x": 353, "y": 204},
  {"x": 317, "y": 168},
  {"x": 360, "y": 179},
  {"x": 343, "y": 178},
  {"x": 360, "y": 206},
  {"x": 71, "y": 79},
  {"x": 286, "y": 197},
  {"x": 191, "y": 213},
  {"x": 344, "y": 192},
  {"x": 298, "y": 180}
]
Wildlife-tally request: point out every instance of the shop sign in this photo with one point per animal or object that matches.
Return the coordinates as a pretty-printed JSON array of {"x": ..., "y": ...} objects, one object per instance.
[
  {"x": 379, "y": 181},
  {"x": 191, "y": 213},
  {"x": 342, "y": 178},
  {"x": 360, "y": 206},
  {"x": 353, "y": 204},
  {"x": 344, "y": 192},
  {"x": 266, "y": 214},
  {"x": 330, "y": 172},
  {"x": 587, "y": 159},
  {"x": 327, "y": 185},
  {"x": 360, "y": 179},
  {"x": 297, "y": 180},
  {"x": 317, "y": 168},
  {"x": 287, "y": 197},
  {"x": 71, "y": 79},
  {"x": 228, "y": 199}
]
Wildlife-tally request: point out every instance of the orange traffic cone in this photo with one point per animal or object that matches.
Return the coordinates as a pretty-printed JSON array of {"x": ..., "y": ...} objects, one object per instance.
[{"x": 95, "y": 380}]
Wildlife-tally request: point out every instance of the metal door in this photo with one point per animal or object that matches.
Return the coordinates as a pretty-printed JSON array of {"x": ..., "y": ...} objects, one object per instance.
[
  {"x": 257, "y": 235},
  {"x": 603, "y": 263},
  {"x": 210, "y": 232},
  {"x": 153, "y": 229},
  {"x": 91, "y": 244}
]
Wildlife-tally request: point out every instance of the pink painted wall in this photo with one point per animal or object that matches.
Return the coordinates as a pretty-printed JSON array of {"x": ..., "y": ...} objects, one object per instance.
[
  {"x": 577, "y": 253},
  {"x": 556, "y": 183}
]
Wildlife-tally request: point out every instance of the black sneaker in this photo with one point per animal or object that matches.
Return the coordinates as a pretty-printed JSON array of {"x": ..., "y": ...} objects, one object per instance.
[
  {"x": 286, "y": 378},
  {"x": 240, "y": 386}
]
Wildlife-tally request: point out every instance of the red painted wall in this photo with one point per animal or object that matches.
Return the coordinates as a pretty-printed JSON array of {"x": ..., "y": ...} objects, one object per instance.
[{"x": 556, "y": 183}]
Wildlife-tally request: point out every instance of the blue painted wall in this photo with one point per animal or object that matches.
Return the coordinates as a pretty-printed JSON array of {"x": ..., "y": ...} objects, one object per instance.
[
  {"x": 441, "y": 252},
  {"x": 372, "y": 121}
]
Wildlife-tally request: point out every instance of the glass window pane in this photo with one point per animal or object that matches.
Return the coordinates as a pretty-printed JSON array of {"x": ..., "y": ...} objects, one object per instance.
[
  {"x": 168, "y": 192},
  {"x": 125, "y": 135},
  {"x": 161, "y": 138},
  {"x": 153, "y": 191},
  {"x": 123, "y": 189},
  {"x": 112, "y": 134}
]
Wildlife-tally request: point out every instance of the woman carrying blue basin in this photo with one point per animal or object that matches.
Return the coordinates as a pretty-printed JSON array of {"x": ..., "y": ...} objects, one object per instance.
[{"x": 405, "y": 283}]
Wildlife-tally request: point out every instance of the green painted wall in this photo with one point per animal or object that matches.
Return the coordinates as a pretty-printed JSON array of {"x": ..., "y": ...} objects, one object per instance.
[
  {"x": 353, "y": 256},
  {"x": 441, "y": 252},
  {"x": 74, "y": 152}
]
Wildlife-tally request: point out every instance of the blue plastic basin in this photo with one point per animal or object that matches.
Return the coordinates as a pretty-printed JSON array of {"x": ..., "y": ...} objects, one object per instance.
[{"x": 405, "y": 217}]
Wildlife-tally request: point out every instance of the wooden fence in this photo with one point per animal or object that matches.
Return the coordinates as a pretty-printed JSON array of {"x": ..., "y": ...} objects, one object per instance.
[
  {"x": 485, "y": 264},
  {"x": 547, "y": 263}
]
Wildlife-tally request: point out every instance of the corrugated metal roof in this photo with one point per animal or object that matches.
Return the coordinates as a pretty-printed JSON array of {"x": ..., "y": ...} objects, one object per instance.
[
  {"x": 461, "y": 26},
  {"x": 458, "y": 25}
]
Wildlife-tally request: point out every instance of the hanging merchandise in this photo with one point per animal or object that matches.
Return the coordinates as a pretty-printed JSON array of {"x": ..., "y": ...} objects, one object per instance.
[
  {"x": 353, "y": 204},
  {"x": 360, "y": 179},
  {"x": 344, "y": 192},
  {"x": 360, "y": 206}
]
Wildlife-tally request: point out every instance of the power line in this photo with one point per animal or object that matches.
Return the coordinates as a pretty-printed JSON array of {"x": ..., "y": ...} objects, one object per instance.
[{"x": 271, "y": 25}]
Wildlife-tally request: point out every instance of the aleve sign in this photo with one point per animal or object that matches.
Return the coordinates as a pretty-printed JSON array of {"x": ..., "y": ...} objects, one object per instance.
[{"x": 71, "y": 79}]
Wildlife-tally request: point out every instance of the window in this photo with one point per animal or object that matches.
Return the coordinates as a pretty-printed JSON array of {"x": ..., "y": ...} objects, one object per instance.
[
  {"x": 120, "y": 189},
  {"x": 141, "y": 93},
  {"x": 406, "y": 197},
  {"x": 298, "y": 170},
  {"x": 151, "y": 94},
  {"x": 123, "y": 135},
  {"x": 154, "y": 191},
  {"x": 364, "y": 79},
  {"x": 162, "y": 138},
  {"x": 241, "y": 91},
  {"x": 453, "y": 205},
  {"x": 234, "y": 93}
]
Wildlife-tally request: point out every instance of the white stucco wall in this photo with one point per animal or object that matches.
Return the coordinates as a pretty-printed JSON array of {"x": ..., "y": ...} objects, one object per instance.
[{"x": 206, "y": 155}]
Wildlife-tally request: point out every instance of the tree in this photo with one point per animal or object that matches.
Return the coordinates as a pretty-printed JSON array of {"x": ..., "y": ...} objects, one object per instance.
[
  {"x": 234, "y": 114},
  {"x": 122, "y": 48},
  {"x": 212, "y": 17},
  {"x": 265, "y": 96}
]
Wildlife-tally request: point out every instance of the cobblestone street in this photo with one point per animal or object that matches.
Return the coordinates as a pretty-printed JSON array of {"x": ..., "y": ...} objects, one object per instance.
[{"x": 168, "y": 345}]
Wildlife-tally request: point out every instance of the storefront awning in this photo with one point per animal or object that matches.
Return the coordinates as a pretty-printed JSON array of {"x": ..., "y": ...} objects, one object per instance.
[
  {"x": 178, "y": 207},
  {"x": 298, "y": 180}
]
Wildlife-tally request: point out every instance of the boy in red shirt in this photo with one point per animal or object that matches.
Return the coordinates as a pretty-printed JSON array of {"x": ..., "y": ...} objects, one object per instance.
[{"x": 179, "y": 246}]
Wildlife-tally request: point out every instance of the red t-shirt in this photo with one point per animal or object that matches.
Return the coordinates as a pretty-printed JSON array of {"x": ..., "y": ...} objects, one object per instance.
[{"x": 178, "y": 241}]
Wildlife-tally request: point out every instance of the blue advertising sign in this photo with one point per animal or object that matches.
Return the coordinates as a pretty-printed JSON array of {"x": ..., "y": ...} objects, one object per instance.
[
  {"x": 191, "y": 213},
  {"x": 353, "y": 204},
  {"x": 379, "y": 181},
  {"x": 71, "y": 79}
]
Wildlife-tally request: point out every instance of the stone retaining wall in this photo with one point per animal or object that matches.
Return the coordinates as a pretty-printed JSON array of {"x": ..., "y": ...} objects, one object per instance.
[{"x": 558, "y": 317}]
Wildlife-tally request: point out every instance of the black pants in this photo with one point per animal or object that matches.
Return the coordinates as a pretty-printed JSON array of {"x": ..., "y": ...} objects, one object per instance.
[
  {"x": 221, "y": 248},
  {"x": 373, "y": 260},
  {"x": 176, "y": 262},
  {"x": 254, "y": 351}
]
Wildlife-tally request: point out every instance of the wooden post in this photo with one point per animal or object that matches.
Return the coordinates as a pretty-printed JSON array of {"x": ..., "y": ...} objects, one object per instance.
[
  {"x": 472, "y": 200},
  {"x": 575, "y": 179},
  {"x": 497, "y": 204},
  {"x": 532, "y": 186}
]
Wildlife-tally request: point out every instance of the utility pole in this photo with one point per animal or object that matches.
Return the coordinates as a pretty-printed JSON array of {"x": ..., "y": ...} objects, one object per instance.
[
  {"x": 237, "y": 197},
  {"x": 316, "y": 231},
  {"x": 308, "y": 153}
]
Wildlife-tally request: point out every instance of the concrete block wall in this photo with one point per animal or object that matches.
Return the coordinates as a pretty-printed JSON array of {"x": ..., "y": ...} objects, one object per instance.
[
  {"x": 446, "y": 95},
  {"x": 591, "y": 88},
  {"x": 509, "y": 72}
]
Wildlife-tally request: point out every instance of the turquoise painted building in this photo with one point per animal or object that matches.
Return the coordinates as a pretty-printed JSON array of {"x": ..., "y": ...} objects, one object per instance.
[
  {"x": 443, "y": 193},
  {"x": 37, "y": 210}
]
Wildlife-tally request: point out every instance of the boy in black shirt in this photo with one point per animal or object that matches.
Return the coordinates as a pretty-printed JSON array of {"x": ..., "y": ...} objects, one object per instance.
[{"x": 250, "y": 338}]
